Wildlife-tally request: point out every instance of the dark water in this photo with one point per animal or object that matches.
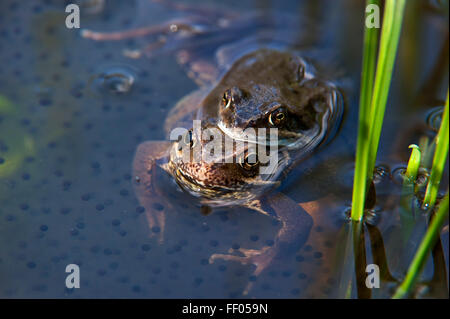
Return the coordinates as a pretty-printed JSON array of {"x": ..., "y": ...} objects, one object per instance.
[{"x": 67, "y": 141}]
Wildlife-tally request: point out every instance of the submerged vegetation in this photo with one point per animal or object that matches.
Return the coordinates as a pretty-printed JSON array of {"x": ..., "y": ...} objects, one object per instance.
[{"x": 24, "y": 144}]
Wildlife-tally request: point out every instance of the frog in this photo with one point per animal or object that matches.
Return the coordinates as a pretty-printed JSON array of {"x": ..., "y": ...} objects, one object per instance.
[
  {"x": 220, "y": 184},
  {"x": 246, "y": 86},
  {"x": 285, "y": 96}
]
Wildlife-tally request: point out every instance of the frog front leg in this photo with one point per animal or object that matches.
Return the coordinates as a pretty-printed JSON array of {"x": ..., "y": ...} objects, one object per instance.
[
  {"x": 201, "y": 70},
  {"x": 294, "y": 232},
  {"x": 146, "y": 167}
]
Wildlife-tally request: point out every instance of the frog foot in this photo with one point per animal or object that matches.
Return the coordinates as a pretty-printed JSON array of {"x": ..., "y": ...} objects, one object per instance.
[
  {"x": 259, "y": 258},
  {"x": 146, "y": 170}
]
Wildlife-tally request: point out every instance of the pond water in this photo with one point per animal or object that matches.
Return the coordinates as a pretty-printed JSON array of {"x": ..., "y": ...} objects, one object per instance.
[{"x": 73, "y": 111}]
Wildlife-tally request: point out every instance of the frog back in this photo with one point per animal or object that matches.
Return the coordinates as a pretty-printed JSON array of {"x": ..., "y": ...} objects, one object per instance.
[{"x": 185, "y": 111}]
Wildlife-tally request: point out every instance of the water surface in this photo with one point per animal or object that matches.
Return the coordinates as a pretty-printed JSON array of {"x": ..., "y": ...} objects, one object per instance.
[{"x": 67, "y": 141}]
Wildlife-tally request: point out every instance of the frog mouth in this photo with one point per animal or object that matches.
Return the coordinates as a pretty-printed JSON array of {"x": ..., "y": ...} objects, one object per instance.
[
  {"x": 212, "y": 195},
  {"x": 290, "y": 140},
  {"x": 198, "y": 186},
  {"x": 222, "y": 194}
]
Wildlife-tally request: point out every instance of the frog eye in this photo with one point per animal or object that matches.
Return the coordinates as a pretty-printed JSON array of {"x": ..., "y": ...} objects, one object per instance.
[
  {"x": 249, "y": 161},
  {"x": 277, "y": 117},
  {"x": 227, "y": 99},
  {"x": 189, "y": 139}
]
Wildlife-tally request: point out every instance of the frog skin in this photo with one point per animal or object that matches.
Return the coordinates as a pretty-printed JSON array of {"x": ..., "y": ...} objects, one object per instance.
[{"x": 285, "y": 81}]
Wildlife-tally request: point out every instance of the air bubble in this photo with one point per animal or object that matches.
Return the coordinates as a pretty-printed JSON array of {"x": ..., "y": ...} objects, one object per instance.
[
  {"x": 422, "y": 177},
  {"x": 115, "y": 80},
  {"x": 372, "y": 216},
  {"x": 434, "y": 118},
  {"x": 380, "y": 172},
  {"x": 398, "y": 175}
]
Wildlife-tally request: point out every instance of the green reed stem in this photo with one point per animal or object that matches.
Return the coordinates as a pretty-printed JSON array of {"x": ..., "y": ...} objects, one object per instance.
[
  {"x": 407, "y": 219},
  {"x": 371, "y": 39},
  {"x": 423, "y": 251},
  {"x": 427, "y": 149},
  {"x": 413, "y": 164},
  {"x": 371, "y": 114},
  {"x": 439, "y": 159},
  {"x": 390, "y": 34}
]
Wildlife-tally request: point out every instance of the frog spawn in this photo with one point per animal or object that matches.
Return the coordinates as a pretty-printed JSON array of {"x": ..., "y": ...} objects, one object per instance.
[{"x": 71, "y": 201}]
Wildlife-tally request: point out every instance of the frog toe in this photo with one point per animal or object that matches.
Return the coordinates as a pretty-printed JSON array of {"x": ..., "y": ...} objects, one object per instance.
[
  {"x": 156, "y": 224},
  {"x": 261, "y": 259}
]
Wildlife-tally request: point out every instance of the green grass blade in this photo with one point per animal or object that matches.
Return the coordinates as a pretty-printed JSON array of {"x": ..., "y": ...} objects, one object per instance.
[
  {"x": 439, "y": 159},
  {"x": 390, "y": 34},
  {"x": 371, "y": 117},
  {"x": 427, "y": 149},
  {"x": 424, "y": 249},
  {"x": 371, "y": 39},
  {"x": 413, "y": 164}
]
